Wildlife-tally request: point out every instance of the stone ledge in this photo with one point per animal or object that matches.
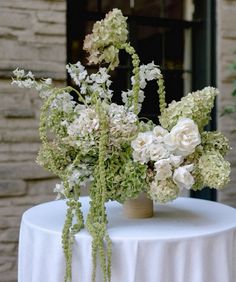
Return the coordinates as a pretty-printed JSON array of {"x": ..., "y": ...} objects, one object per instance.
[
  {"x": 25, "y": 123},
  {"x": 6, "y": 249},
  {"x": 17, "y": 136},
  {"x": 16, "y": 19},
  {"x": 9, "y": 222},
  {"x": 9, "y": 235},
  {"x": 12, "y": 188},
  {"x": 9, "y": 276},
  {"x": 23, "y": 170},
  {"x": 56, "y": 5},
  {"x": 19, "y": 148},
  {"x": 18, "y": 113},
  {"x": 52, "y": 17},
  {"x": 23, "y": 203},
  {"x": 13, "y": 211}
]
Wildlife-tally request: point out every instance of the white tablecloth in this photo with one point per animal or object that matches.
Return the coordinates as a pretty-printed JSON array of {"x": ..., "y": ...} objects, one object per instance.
[{"x": 188, "y": 240}]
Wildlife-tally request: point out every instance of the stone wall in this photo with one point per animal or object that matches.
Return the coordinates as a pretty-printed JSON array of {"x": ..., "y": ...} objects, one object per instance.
[
  {"x": 32, "y": 36},
  {"x": 226, "y": 45}
]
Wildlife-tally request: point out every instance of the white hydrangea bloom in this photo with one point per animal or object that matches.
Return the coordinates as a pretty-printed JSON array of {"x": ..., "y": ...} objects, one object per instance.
[
  {"x": 163, "y": 191},
  {"x": 122, "y": 122},
  {"x": 163, "y": 169},
  {"x": 84, "y": 124}
]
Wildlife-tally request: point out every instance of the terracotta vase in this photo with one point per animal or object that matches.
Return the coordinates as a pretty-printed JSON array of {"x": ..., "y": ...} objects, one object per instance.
[{"x": 141, "y": 207}]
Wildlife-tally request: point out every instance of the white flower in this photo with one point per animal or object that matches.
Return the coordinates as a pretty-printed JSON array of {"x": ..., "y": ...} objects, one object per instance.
[
  {"x": 142, "y": 141},
  {"x": 141, "y": 156},
  {"x": 63, "y": 102},
  {"x": 142, "y": 78},
  {"x": 19, "y": 73},
  {"x": 47, "y": 81},
  {"x": 163, "y": 191},
  {"x": 28, "y": 83},
  {"x": 163, "y": 169},
  {"x": 183, "y": 178},
  {"x": 17, "y": 83},
  {"x": 159, "y": 132},
  {"x": 30, "y": 75},
  {"x": 122, "y": 123},
  {"x": 59, "y": 189},
  {"x": 125, "y": 96},
  {"x": 128, "y": 96},
  {"x": 85, "y": 124},
  {"x": 158, "y": 151},
  {"x": 183, "y": 137},
  {"x": 79, "y": 66},
  {"x": 176, "y": 160},
  {"x": 77, "y": 72},
  {"x": 147, "y": 73},
  {"x": 101, "y": 76},
  {"x": 152, "y": 71}
]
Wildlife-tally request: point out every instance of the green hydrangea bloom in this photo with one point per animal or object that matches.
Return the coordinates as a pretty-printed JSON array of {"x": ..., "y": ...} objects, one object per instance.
[
  {"x": 55, "y": 157},
  {"x": 124, "y": 177},
  {"x": 214, "y": 169},
  {"x": 215, "y": 141},
  {"x": 163, "y": 191},
  {"x": 196, "y": 105},
  {"x": 106, "y": 38}
]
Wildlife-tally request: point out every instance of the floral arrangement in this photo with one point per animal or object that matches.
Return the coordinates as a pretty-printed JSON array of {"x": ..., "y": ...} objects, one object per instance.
[{"x": 97, "y": 142}]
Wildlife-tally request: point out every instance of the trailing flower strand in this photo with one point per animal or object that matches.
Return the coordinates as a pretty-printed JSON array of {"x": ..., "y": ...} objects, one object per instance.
[
  {"x": 136, "y": 86},
  {"x": 97, "y": 219}
]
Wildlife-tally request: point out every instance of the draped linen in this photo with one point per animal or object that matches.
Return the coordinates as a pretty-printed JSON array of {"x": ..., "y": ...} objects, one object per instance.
[{"x": 187, "y": 240}]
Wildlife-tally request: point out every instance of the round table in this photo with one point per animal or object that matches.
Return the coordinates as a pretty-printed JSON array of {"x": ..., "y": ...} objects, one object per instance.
[{"x": 187, "y": 240}]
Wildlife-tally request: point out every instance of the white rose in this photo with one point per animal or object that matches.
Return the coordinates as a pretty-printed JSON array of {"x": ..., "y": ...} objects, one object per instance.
[
  {"x": 157, "y": 152},
  {"x": 163, "y": 169},
  {"x": 141, "y": 156},
  {"x": 183, "y": 137},
  {"x": 142, "y": 141},
  {"x": 159, "y": 132},
  {"x": 176, "y": 160},
  {"x": 183, "y": 178}
]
